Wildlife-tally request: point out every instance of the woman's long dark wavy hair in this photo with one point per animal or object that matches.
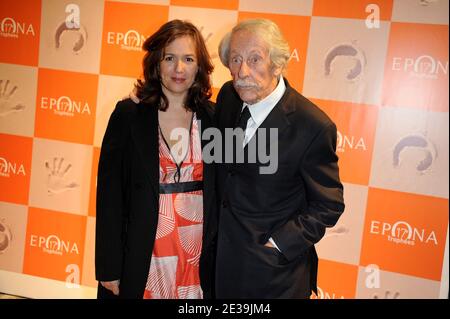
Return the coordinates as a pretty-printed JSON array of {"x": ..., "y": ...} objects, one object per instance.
[{"x": 149, "y": 90}]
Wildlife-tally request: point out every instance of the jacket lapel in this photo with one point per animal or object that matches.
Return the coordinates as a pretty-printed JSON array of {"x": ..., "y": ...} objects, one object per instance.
[
  {"x": 278, "y": 117},
  {"x": 145, "y": 135},
  {"x": 208, "y": 171}
]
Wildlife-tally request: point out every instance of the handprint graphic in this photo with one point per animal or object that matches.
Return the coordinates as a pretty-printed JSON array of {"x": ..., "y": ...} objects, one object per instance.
[
  {"x": 57, "y": 182},
  {"x": 387, "y": 295},
  {"x": 6, "y": 105}
]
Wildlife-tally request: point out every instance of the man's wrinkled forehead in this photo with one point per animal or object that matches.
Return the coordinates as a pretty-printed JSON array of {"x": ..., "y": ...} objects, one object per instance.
[{"x": 244, "y": 41}]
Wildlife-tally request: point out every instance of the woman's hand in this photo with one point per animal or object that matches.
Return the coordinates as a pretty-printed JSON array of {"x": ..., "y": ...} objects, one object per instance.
[
  {"x": 269, "y": 244},
  {"x": 112, "y": 286}
]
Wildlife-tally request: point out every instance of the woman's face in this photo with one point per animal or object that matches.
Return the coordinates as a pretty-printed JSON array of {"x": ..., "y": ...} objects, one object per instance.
[{"x": 178, "y": 67}]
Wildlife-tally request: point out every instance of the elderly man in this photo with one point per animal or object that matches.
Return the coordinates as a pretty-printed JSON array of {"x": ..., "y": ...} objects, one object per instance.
[{"x": 269, "y": 223}]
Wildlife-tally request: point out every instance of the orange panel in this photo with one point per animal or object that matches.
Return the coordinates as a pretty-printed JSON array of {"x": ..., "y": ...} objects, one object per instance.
[
  {"x": 355, "y": 9},
  {"x": 15, "y": 168},
  {"x": 125, "y": 28},
  {"x": 20, "y": 23},
  {"x": 417, "y": 75},
  {"x": 336, "y": 280},
  {"x": 213, "y": 4},
  {"x": 405, "y": 233},
  {"x": 65, "y": 106},
  {"x": 356, "y": 124},
  {"x": 54, "y": 244}
]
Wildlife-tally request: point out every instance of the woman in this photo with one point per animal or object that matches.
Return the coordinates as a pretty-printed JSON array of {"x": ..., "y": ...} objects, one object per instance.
[{"x": 155, "y": 197}]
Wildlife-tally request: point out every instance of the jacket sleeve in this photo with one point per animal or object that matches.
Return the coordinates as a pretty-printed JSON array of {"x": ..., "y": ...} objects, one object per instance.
[
  {"x": 218, "y": 105},
  {"x": 110, "y": 211},
  {"x": 324, "y": 197}
]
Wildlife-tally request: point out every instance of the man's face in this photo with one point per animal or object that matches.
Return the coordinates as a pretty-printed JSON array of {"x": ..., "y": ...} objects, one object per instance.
[{"x": 254, "y": 76}]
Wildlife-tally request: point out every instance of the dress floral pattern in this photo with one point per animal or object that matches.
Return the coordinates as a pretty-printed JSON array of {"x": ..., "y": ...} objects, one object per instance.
[{"x": 174, "y": 267}]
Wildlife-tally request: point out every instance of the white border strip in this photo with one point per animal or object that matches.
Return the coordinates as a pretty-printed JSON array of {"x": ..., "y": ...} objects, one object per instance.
[
  {"x": 443, "y": 293},
  {"x": 41, "y": 288}
]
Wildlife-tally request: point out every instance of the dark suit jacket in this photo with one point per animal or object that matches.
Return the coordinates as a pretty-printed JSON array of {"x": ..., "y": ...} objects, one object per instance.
[
  {"x": 128, "y": 200},
  {"x": 293, "y": 206}
]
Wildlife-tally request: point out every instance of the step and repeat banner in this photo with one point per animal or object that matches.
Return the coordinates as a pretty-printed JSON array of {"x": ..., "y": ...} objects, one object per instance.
[{"x": 378, "y": 68}]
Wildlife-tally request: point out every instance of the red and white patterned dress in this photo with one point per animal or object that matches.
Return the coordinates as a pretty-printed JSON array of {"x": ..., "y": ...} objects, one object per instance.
[{"x": 174, "y": 267}]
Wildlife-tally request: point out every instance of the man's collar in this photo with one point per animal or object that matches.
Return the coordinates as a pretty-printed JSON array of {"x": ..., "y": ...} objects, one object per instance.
[{"x": 261, "y": 109}]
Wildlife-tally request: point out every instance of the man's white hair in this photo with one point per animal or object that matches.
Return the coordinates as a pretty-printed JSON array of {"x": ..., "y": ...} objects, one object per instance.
[{"x": 268, "y": 31}]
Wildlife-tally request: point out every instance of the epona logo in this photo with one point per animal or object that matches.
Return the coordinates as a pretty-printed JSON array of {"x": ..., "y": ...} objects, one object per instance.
[
  {"x": 132, "y": 40},
  {"x": 337, "y": 55},
  {"x": 65, "y": 106},
  {"x": 8, "y": 168},
  {"x": 415, "y": 142},
  {"x": 321, "y": 294},
  {"x": 403, "y": 233},
  {"x": 345, "y": 142},
  {"x": 5, "y": 236},
  {"x": 424, "y": 66},
  {"x": 53, "y": 245},
  {"x": 9, "y": 28}
]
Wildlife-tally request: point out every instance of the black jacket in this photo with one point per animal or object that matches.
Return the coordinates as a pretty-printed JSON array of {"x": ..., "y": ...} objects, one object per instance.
[
  {"x": 128, "y": 200},
  {"x": 293, "y": 206}
]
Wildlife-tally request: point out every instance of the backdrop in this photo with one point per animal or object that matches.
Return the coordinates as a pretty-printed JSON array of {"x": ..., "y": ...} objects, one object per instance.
[{"x": 379, "y": 68}]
